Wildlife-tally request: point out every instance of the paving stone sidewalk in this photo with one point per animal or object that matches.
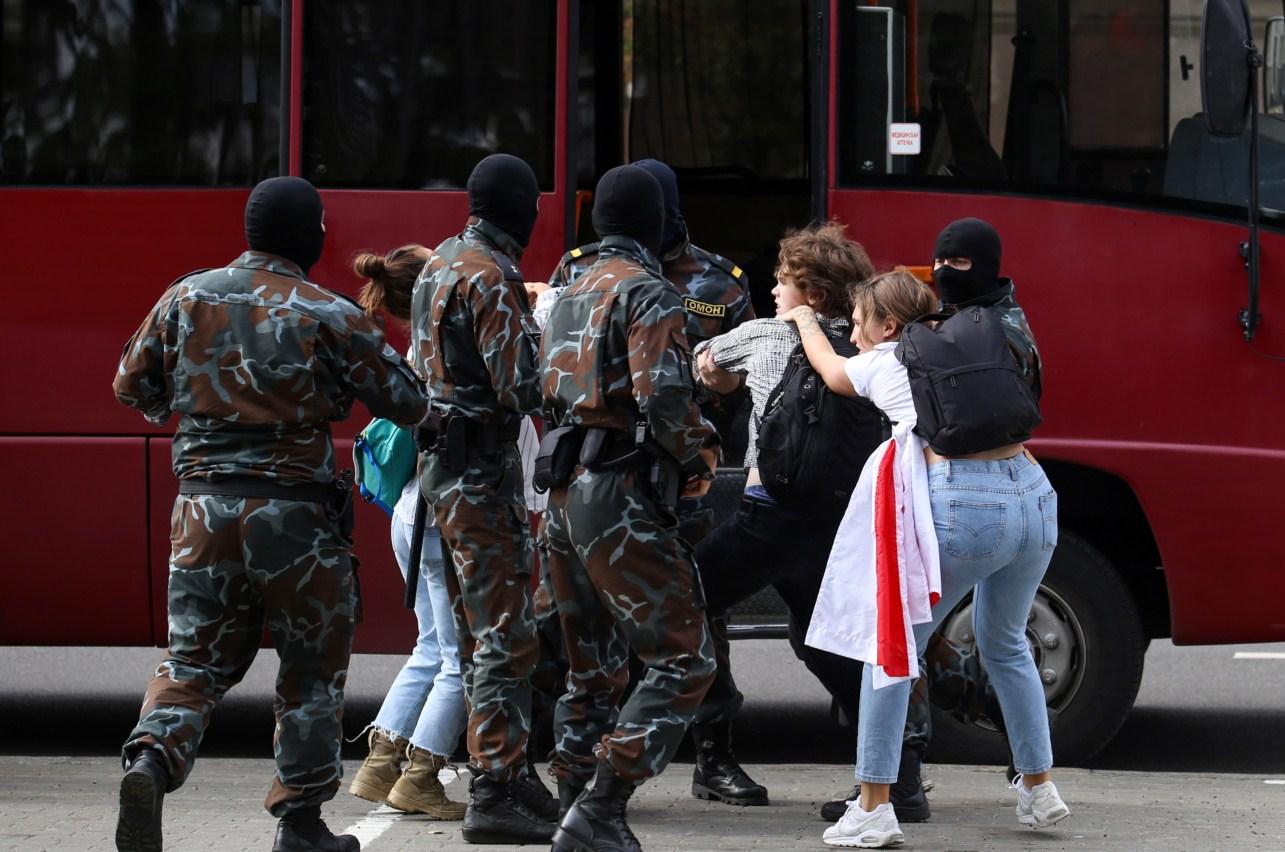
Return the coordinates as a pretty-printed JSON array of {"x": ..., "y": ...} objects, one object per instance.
[{"x": 69, "y": 803}]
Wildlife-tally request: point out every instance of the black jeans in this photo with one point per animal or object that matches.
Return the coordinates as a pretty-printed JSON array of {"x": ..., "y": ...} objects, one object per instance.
[{"x": 765, "y": 544}]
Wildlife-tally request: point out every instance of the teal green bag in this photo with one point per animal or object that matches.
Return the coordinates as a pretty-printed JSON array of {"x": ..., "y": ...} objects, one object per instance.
[{"x": 384, "y": 458}]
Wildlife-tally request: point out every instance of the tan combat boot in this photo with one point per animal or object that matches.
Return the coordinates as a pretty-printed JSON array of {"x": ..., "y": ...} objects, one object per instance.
[
  {"x": 420, "y": 791},
  {"x": 381, "y": 768}
]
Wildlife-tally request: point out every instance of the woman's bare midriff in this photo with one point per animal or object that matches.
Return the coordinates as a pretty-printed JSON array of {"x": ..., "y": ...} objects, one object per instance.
[{"x": 1005, "y": 452}]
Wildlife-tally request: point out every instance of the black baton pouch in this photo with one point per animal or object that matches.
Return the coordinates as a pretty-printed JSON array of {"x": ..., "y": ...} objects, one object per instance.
[
  {"x": 556, "y": 460},
  {"x": 591, "y": 451},
  {"x": 454, "y": 450}
]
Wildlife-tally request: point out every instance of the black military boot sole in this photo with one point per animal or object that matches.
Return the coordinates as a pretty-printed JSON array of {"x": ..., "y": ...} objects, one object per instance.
[
  {"x": 709, "y": 794},
  {"x": 138, "y": 827},
  {"x": 486, "y": 837}
]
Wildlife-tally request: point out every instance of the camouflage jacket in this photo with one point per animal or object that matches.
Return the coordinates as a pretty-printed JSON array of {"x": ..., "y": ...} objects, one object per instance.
[
  {"x": 257, "y": 360},
  {"x": 474, "y": 339},
  {"x": 1020, "y": 339},
  {"x": 615, "y": 352},
  {"x": 715, "y": 291}
]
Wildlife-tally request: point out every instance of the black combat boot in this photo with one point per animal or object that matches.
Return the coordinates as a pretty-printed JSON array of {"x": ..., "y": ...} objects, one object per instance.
[
  {"x": 596, "y": 820},
  {"x": 907, "y": 794},
  {"x": 530, "y": 790},
  {"x": 718, "y": 777},
  {"x": 503, "y": 813},
  {"x": 304, "y": 830},
  {"x": 142, "y": 792},
  {"x": 908, "y": 799},
  {"x": 569, "y": 789}
]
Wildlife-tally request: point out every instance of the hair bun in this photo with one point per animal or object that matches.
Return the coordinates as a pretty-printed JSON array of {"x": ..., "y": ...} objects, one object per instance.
[{"x": 369, "y": 265}]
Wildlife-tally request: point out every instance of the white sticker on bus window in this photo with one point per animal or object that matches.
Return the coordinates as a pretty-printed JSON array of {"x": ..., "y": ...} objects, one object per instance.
[{"x": 903, "y": 139}]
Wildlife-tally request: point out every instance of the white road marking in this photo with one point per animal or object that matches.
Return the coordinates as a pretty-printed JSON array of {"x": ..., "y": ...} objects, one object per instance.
[
  {"x": 1259, "y": 655},
  {"x": 1274, "y": 781},
  {"x": 368, "y": 830}
]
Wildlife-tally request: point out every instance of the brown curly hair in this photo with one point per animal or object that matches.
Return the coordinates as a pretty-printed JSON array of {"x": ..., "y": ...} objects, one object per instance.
[
  {"x": 390, "y": 279},
  {"x": 824, "y": 263}
]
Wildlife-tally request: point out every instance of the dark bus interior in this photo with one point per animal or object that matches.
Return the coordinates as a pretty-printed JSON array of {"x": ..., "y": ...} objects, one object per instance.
[{"x": 719, "y": 90}]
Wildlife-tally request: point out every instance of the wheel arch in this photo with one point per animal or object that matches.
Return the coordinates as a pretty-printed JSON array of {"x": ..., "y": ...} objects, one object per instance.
[{"x": 1103, "y": 509}]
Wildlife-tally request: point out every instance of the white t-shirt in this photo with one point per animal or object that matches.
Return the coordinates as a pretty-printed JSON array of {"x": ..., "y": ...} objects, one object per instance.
[{"x": 878, "y": 376}]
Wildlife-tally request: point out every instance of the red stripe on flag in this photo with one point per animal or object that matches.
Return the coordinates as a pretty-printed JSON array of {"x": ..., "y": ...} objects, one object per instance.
[{"x": 891, "y": 637}]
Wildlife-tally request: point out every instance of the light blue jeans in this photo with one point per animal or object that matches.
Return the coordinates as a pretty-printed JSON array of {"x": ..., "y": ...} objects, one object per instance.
[
  {"x": 425, "y": 704},
  {"x": 996, "y": 524}
]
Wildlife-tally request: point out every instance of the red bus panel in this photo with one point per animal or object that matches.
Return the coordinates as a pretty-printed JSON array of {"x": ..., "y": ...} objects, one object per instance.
[{"x": 1147, "y": 376}]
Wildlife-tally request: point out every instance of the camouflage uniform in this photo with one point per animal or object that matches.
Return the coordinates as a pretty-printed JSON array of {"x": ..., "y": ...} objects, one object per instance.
[
  {"x": 614, "y": 353},
  {"x": 257, "y": 360},
  {"x": 476, "y": 343},
  {"x": 716, "y": 295},
  {"x": 715, "y": 291}
]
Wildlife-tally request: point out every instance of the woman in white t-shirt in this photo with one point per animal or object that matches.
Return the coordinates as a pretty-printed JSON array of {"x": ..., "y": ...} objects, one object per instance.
[{"x": 881, "y": 307}]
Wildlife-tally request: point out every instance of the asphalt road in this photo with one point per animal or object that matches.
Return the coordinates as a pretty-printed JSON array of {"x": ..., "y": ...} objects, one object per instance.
[{"x": 1199, "y": 709}]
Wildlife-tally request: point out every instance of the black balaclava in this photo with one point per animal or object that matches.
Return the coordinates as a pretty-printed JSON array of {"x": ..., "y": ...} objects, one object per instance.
[
  {"x": 977, "y": 241},
  {"x": 503, "y": 191},
  {"x": 675, "y": 225},
  {"x": 630, "y": 203},
  {"x": 284, "y": 217}
]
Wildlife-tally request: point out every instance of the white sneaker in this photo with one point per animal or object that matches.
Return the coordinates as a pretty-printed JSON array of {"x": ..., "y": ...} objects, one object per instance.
[
  {"x": 1040, "y": 806},
  {"x": 867, "y": 829}
]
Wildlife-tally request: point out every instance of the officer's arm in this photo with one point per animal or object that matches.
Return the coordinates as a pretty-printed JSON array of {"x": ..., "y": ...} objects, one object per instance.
[
  {"x": 508, "y": 339},
  {"x": 375, "y": 373},
  {"x": 661, "y": 372},
  {"x": 142, "y": 377}
]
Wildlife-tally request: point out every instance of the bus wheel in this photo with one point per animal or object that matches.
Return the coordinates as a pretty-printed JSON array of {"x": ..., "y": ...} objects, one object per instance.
[{"x": 1086, "y": 637}]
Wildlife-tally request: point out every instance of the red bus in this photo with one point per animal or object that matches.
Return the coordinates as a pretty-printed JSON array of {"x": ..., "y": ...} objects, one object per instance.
[{"x": 133, "y": 130}]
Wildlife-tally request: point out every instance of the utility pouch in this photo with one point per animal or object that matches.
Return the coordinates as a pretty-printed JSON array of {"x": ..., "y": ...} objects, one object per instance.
[
  {"x": 555, "y": 462},
  {"x": 594, "y": 446},
  {"x": 339, "y": 506},
  {"x": 452, "y": 444},
  {"x": 428, "y": 430},
  {"x": 666, "y": 481}
]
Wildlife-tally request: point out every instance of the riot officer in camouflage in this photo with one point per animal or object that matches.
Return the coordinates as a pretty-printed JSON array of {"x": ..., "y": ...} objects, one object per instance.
[
  {"x": 476, "y": 344},
  {"x": 714, "y": 290},
  {"x": 257, "y": 360},
  {"x": 618, "y": 384}
]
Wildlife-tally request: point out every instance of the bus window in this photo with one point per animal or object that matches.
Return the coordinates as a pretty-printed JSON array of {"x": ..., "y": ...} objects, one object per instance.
[
  {"x": 1096, "y": 98},
  {"x": 718, "y": 85},
  {"x": 411, "y": 95},
  {"x": 139, "y": 92},
  {"x": 719, "y": 91}
]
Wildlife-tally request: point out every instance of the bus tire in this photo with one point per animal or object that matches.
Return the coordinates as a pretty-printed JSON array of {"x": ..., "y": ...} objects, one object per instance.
[{"x": 1091, "y": 668}]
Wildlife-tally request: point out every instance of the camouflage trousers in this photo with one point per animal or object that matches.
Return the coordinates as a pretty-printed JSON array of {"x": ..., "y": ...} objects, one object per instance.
[
  {"x": 486, "y": 540},
  {"x": 622, "y": 579},
  {"x": 236, "y": 564}
]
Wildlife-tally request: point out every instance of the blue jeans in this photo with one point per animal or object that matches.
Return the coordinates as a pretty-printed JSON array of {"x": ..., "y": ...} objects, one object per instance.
[
  {"x": 996, "y": 524},
  {"x": 425, "y": 704}
]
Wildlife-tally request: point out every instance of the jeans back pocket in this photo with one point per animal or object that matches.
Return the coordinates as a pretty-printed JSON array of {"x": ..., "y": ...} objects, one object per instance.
[
  {"x": 1048, "y": 514},
  {"x": 976, "y": 529}
]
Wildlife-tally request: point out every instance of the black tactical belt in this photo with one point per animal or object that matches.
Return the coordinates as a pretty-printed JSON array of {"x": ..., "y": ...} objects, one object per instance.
[{"x": 259, "y": 489}]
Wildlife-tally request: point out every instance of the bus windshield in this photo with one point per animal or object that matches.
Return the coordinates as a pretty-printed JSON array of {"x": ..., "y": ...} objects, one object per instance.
[{"x": 1097, "y": 98}]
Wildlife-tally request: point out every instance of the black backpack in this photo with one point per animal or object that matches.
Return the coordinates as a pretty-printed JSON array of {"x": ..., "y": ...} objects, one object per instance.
[
  {"x": 968, "y": 392},
  {"x": 812, "y": 442}
]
